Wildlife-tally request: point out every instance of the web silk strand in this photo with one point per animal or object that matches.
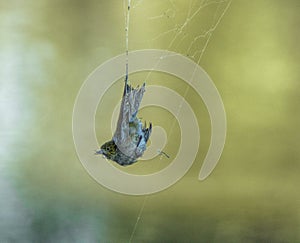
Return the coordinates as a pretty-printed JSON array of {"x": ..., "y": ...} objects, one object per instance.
[{"x": 127, "y": 39}]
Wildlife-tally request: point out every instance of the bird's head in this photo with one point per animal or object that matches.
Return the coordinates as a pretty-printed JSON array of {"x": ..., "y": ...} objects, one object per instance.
[{"x": 108, "y": 149}]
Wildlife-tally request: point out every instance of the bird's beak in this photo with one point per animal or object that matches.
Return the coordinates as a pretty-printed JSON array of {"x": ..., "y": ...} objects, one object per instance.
[{"x": 99, "y": 151}]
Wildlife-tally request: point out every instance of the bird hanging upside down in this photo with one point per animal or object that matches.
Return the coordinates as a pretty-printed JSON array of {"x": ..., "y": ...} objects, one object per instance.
[{"x": 130, "y": 138}]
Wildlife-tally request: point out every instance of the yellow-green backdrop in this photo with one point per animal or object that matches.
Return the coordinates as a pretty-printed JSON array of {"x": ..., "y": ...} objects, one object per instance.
[{"x": 47, "y": 50}]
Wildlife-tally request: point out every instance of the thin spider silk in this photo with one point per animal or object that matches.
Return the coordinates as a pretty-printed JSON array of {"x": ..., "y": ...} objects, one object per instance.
[
  {"x": 181, "y": 26},
  {"x": 184, "y": 27}
]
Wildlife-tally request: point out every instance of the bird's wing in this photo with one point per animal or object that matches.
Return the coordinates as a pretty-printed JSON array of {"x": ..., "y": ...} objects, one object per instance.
[{"x": 129, "y": 107}]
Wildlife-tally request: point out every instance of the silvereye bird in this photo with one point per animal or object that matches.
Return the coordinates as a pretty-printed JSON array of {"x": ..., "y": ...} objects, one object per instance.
[{"x": 130, "y": 138}]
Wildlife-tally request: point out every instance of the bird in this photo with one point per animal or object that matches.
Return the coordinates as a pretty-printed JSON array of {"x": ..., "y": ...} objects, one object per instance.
[{"x": 129, "y": 141}]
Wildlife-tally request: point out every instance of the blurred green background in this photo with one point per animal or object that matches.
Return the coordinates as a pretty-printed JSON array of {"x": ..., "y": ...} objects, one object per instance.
[{"x": 48, "y": 48}]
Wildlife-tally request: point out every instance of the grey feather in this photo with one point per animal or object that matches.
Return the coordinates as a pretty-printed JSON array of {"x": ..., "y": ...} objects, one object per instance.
[{"x": 130, "y": 138}]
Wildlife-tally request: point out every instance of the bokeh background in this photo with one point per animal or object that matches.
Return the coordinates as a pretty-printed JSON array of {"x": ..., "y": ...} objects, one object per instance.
[{"x": 49, "y": 47}]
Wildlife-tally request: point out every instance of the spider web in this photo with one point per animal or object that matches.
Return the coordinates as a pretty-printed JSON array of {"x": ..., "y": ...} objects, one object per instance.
[
  {"x": 184, "y": 27},
  {"x": 180, "y": 26}
]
